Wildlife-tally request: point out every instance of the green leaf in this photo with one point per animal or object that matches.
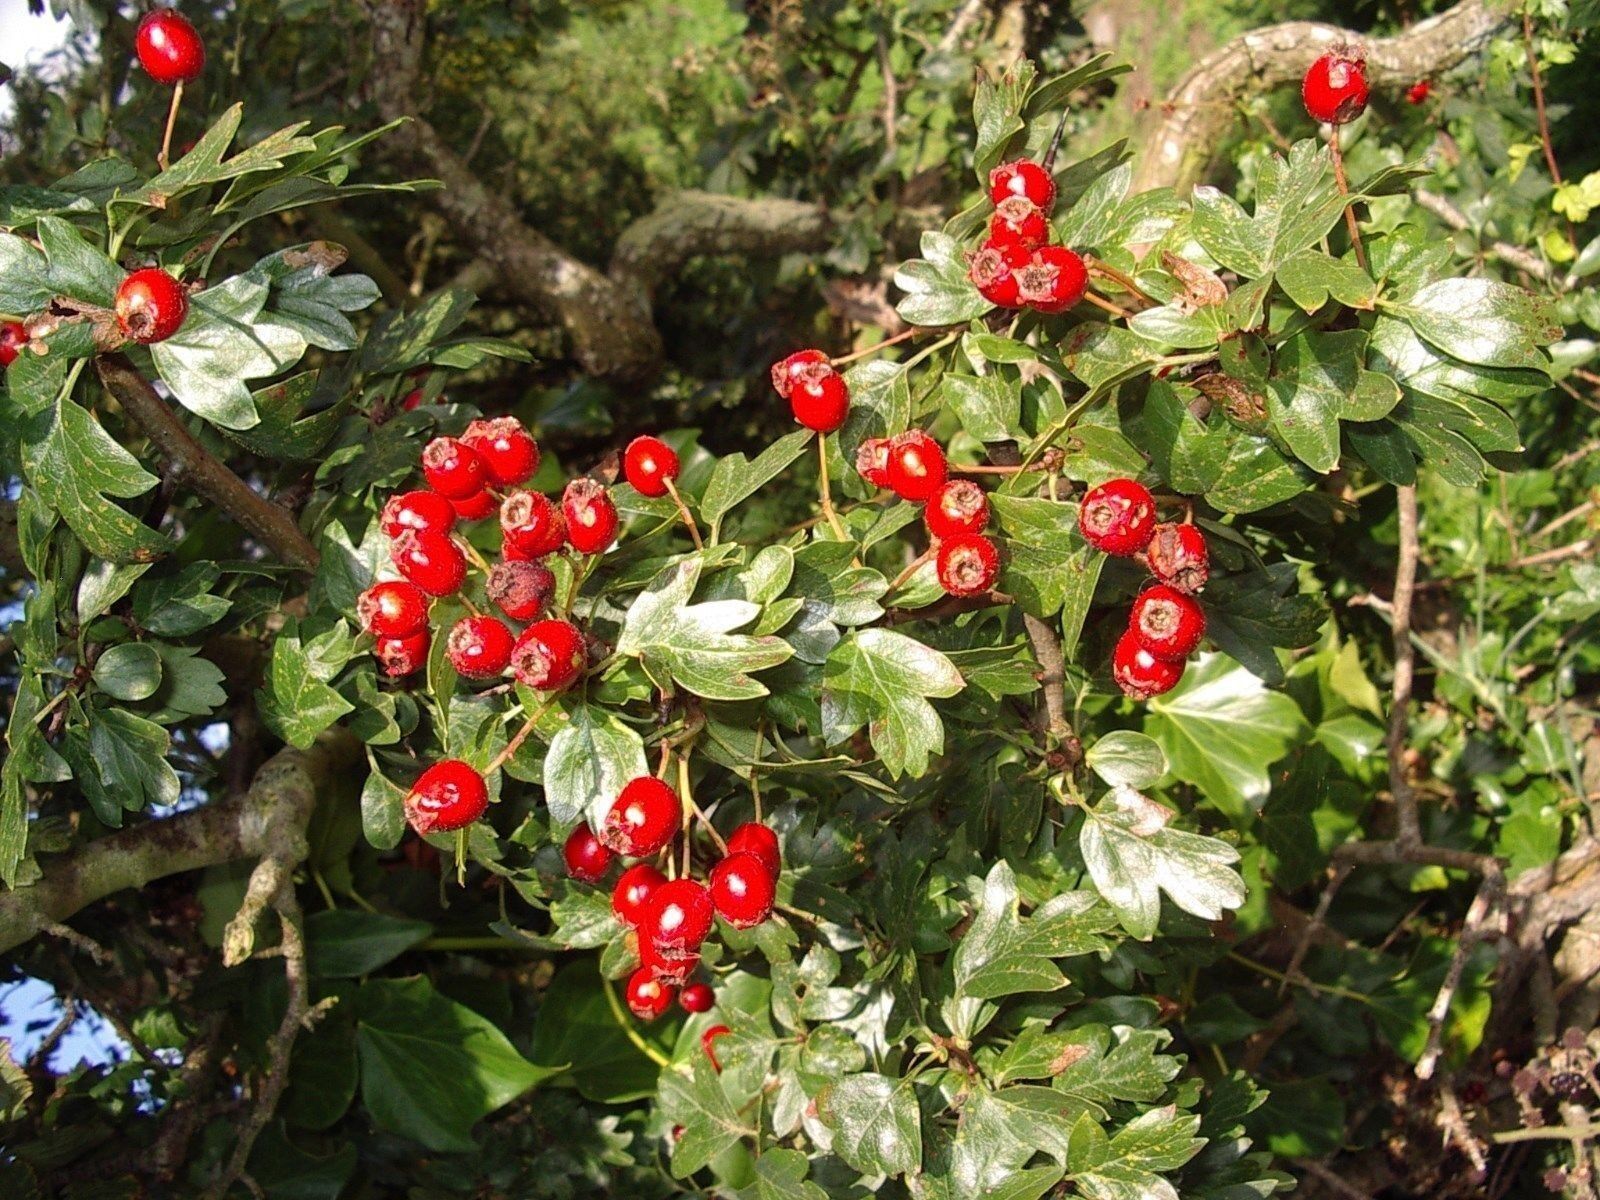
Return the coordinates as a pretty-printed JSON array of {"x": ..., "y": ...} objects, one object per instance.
[
  {"x": 736, "y": 478},
  {"x": 67, "y": 265},
  {"x": 1048, "y": 567},
  {"x": 1098, "y": 1072},
  {"x": 833, "y": 594},
  {"x": 781, "y": 1175},
  {"x": 999, "y": 1132},
  {"x": 119, "y": 760},
  {"x": 383, "y": 813},
  {"x": 1317, "y": 381},
  {"x": 205, "y": 163},
  {"x": 284, "y": 431},
  {"x": 1297, "y": 204},
  {"x": 1256, "y": 475},
  {"x": 1127, "y": 1169},
  {"x": 345, "y": 943},
  {"x": 881, "y": 679},
  {"x": 876, "y": 1125},
  {"x": 1250, "y": 613},
  {"x": 587, "y": 764},
  {"x": 693, "y": 1098},
  {"x": 1311, "y": 278},
  {"x": 103, "y": 584},
  {"x": 283, "y": 1171},
  {"x": 576, "y": 1029},
  {"x": 997, "y": 114},
  {"x": 1482, "y": 321},
  {"x": 1002, "y": 953},
  {"x": 131, "y": 671},
  {"x": 176, "y": 605},
  {"x": 294, "y": 702},
  {"x": 937, "y": 290},
  {"x": 1124, "y": 758},
  {"x": 989, "y": 407},
  {"x": 191, "y": 686},
  {"x": 880, "y": 405}
]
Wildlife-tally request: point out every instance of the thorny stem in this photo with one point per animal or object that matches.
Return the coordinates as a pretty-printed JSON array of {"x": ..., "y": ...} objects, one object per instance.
[
  {"x": 825, "y": 489},
  {"x": 644, "y": 1047},
  {"x": 172, "y": 120},
  {"x": 688, "y": 517},
  {"x": 1344, "y": 190},
  {"x": 903, "y": 336}
]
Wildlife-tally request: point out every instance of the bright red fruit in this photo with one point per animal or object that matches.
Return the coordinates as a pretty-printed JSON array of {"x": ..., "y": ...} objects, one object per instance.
[
  {"x": 872, "y": 461},
  {"x": 676, "y": 917},
  {"x": 521, "y": 589},
  {"x": 476, "y": 506},
  {"x": 802, "y": 364},
  {"x": 453, "y": 469},
  {"x": 587, "y": 860},
  {"x": 13, "y": 337},
  {"x": 1419, "y": 91},
  {"x": 1178, "y": 557},
  {"x": 1053, "y": 281},
  {"x": 821, "y": 403},
  {"x": 448, "y": 795},
  {"x": 967, "y": 564},
  {"x": 708, "y": 1043},
  {"x": 1335, "y": 86},
  {"x": 479, "y": 647},
  {"x": 761, "y": 840},
  {"x": 403, "y": 655},
  {"x": 430, "y": 560},
  {"x": 412, "y": 400},
  {"x": 648, "y": 998},
  {"x": 392, "y": 609},
  {"x": 958, "y": 507},
  {"x": 151, "y": 305},
  {"x": 1141, "y": 674},
  {"x": 532, "y": 525},
  {"x": 742, "y": 889},
  {"x": 1023, "y": 178},
  {"x": 169, "y": 47},
  {"x": 1118, "y": 517},
  {"x": 669, "y": 964},
  {"x": 993, "y": 271},
  {"x": 697, "y": 998},
  {"x": 643, "y": 819},
  {"x": 417, "y": 510},
  {"x": 916, "y": 466},
  {"x": 590, "y": 514},
  {"x": 632, "y": 890},
  {"x": 1019, "y": 222},
  {"x": 1167, "y": 623},
  {"x": 649, "y": 464},
  {"x": 509, "y": 453},
  {"x": 549, "y": 655}
]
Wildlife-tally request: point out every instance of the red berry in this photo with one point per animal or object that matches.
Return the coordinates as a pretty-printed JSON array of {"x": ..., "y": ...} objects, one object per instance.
[
  {"x": 430, "y": 560},
  {"x": 632, "y": 890},
  {"x": 649, "y": 464},
  {"x": 754, "y": 838},
  {"x": 13, "y": 337},
  {"x": 967, "y": 564},
  {"x": 1053, "y": 281},
  {"x": 644, "y": 818},
  {"x": 1118, "y": 517},
  {"x": 676, "y": 917},
  {"x": 1335, "y": 86},
  {"x": 821, "y": 403},
  {"x": 453, "y": 469},
  {"x": 1178, "y": 557},
  {"x": 872, "y": 461},
  {"x": 590, "y": 514},
  {"x": 1141, "y": 674},
  {"x": 549, "y": 655},
  {"x": 521, "y": 589},
  {"x": 151, "y": 305},
  {"x": 532, "y": 525},
  {"x": 509, "y": 453},
  {"x": 993, "y": 271},
  {"x": 1167, "y": 623},
  {"x": 742, "y": 889},
  {"x": 670, "y": 965},
  {"x": 916, "y": 466},
  {"x": 708, "y": 1043},
  {"x": 448, "y": 795},
  {"x": 403, "y": 655},
  {"x": 412, "y": 400},
  {"x": 1018, "y": 222},
  {"x": 418, "y": 510},
  {"x": 958, "y": 507},
  {"x": 169, "y": 47},
  {"x": 1022, "y": 178},
  {"x": 697, "y": 998},
  {"x": 648, "y": 998},
  {"x": 479, "y": 647},
  {"x": 1419, "y": 91},
  {"x": 587, "y": 860},
  {"x": 392, "y": 609},
  {"x": 802, "y": 364},
  {"x": 476, "y": 506}
]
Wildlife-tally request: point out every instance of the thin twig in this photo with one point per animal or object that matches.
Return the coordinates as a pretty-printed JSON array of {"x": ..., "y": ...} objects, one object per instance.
[
  {"x": 903, "y": 335},
  {"x": 683, "y": 511},
  {"x": 172, "y": 120},
  {"x": 826, "y": 491},
  {"x": 1409, "y": 831},
  {"x": 1473, "y": 929},
  {"x": 1344, "y": 190},
  {"x": 1538, "y": 98},
  {"x": 1341, "y": 872},
  {"x": 1332, "y": 1179}
]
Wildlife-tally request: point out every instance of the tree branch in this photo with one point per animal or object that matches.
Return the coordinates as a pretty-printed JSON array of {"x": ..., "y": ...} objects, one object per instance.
[
  {"x": 269, "y": 524},
  {"x": 1516, "y": 256},
  {"x": 1409, "y": 827}
]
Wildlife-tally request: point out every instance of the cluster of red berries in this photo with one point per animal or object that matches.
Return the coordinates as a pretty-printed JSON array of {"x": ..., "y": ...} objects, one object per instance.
[
  {"x": 1335, "y": 86},
  {"x": 1017, "y": 267},
  {"x": 1166, "y": 623},
  {"x": 817, "y": 394}
]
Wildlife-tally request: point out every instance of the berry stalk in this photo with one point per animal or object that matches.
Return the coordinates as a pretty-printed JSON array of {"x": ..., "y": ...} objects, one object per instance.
[
  {"x": 1344, "y": 190},
  {"x": 172, "y": 121},
  {"x": 825, "y": 489},
  {"x": 683, "y": 511}
]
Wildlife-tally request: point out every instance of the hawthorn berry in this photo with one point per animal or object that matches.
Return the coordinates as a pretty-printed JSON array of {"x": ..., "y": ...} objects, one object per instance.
[
  {"x": 1141, "y": 674},
  {"x": 676, "y": 916},
  {"x": 742, "y": 889},
  {"x": 590, "y": 515},
  {"x": 648, "y": 998},
  {"x": 453, "y": 469},
  {"x": 522, "y": 590},
  {"x": 13, "y": 337},
  {"x": 476, "y": 506},
  {"x": 967, "y": 564},
  {"x": 510, "y": 455},
  {"x": 587, "y": 858},
  {"x": 417, "y": 510},
  {"x": 761, "y": 840},
  {"x": 449, "y": 795},
  {"x": 532, "y": 525},
  {"x": 708, "y": 1043},
  {"x": 802, "y": 364},
  {"x": 1419, "y": 91},
  {"x": 1166, "y": 622},
  {"x": 872, "y": 461},
  {"x": 479, "y": 647},
  {"x": 549, "y": 655},
  {"x": 1335, "y": 86},
  {"x": 170, "y": 49},
  {"x": 993, "y": 271},
  {"x": 1178, "y": 557},
  {"x": 1024, "y": 178},
  {"x": 671, "y": 965},
  {"x": 150, "y": 306},
  {"x": 403, "y": 655},
  {"x": 1018, "y": 221},
  {"x": 917, "y": 466},
  {"x": 1053, "y": 280},
  {"x": 392, "y": 609},
  {"x": 820, "y": 403},
  {"x": 1118, "y": 517},
  {"x": 632, "y": 890},
  {"x": 697, "y": 998},
  {"x": 431, "y": 560},
  {"x": 649, "y": 464},
  {"x": 958, "y": 507},
  {"x": 643, "y": 819}
]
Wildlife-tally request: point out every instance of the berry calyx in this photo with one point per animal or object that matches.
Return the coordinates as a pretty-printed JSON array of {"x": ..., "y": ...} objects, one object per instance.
[
  {"x": 634, "y": 887},
  {"x": 649, "y": 464},
  {"x": 802, "y": 364},
  {"x": 872, "y": 461},
  {"x": 392, "y": 609},
  {"x": 761, "y": 840},
  {"x": 1018, "y": 221},
  {"x": 403, "y": 655},
  {"x": 822, "y": 402},
  {"x": 967, "y": 564},
  {"x": 1335, "y": 86},
  {"x": 697, "y": 998},
  {"x": 417, "y": 510},
  {"x": 430, "y": 560},
  {"x": 644, "y": 818},
  {"x": 993, "y": 271},
  {"x": 449, "y": 795},
  {"x": 476, "y": 506},
  {"x": 677, "y": 917},
  {"x": 1178, "y": 557},
  {"x": 917, "y": 466},
  {"x": 170, "y": 49},
  {"x": 1419, "y": 91},
  {"x": 522, "y": 590},
  {"x": 150, "y": 306},
  {"x": 670, "y": 965},
  {"x": 532, "y": 525},
  {"x": 586, "y": 858},
  {"x": 1167, "y": 623},
  {"x": 648, "y": 998},
  {"x": 1053, "y": 281},
  {"x": 453, "y": 469},
  {"x": 1024, "y": 178},
  {"x": 549, "y": 655},
  {"x": 1118, "y": 517},
  {"x": 13, "y": 337},
  {"x": 708, "y": 1043},
  {"x": 479, "y": 647},
  {"x": 742, "y": 890},
  {"x": 1141, "y": 674},
  {"x": 590, "y": 515},
  {"x": 956, "y": 508},
  {"x": 509, "y": 453}
]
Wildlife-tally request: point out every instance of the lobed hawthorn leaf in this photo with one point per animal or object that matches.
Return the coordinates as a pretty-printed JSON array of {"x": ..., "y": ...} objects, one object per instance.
[
  {"x": 206, "y": 164},
  {"x": 875, "y": 1122},
  {"x": 64, "y": 264},
  {"x": 1124, "y": 758},
  {"x": 882, "y": 679},
  {"x": 937, "y": 290},
  {"x": 999, "y": 1132},
  {"x": 1318, "y": 380},
  {"x": 1297, "y": 204},
  {"x": 694, "y": 1099},
  {"x": 781, "y": 1175},
  {"x": 1482, "y": 321},
  {"x": 997, "y": 107},
  {"x": 119, "y": 760},
  {"x": 735, "y": 478},
  {"x": 989, "y": 407},
  {"x": 589, "y": 760},
  {"x": 1048, "y": 567},
  {"x": 1003, "y": 953},
  {"x": 1311, "y": 278},
  {"x": 1127, "y": 1166},
  {"x": 1249, "y": 614},
  {"x": 880, "y": 406},
  {"x": 1255, "y": 475},
  {"x": 296, "y": 702},
  {"x": 834, "y": 594}
]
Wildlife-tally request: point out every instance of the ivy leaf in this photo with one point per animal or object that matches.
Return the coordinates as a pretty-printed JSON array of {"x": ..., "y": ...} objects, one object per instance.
[
  {"x": 882, "y": 679},
  {"x": 937, "y": 290},
  {"x": 1049, "y": 568},
  {"x": 294, "y": 702},
  {"x": 1003, "y": 953},
  {"x": 1317, "y": 380},
  {"x": 735, "y": 478},
  {"x": 875, "y": 1121},
  {"x": 694, "y": 1099},
  {"x": 781, "y": 1175},
  {"x": 344, "y": 943},
  {"x": 1482, "y": 321},
  {"x": 588, "y": 762}
]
